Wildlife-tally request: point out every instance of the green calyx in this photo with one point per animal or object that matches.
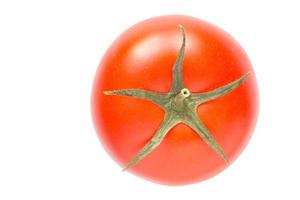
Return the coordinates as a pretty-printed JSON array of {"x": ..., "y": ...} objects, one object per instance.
[{"x": 180, "y": 106}]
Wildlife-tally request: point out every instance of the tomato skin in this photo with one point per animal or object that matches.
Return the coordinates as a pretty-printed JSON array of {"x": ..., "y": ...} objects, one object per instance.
[{"x": 142, "y": 57}]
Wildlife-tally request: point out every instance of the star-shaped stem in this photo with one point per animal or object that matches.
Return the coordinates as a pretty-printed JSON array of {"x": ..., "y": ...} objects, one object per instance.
[{"x": 180, "y": 106}]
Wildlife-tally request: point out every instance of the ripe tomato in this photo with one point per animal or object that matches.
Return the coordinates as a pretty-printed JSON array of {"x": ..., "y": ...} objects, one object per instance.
[{"x": 143, "y": 58}]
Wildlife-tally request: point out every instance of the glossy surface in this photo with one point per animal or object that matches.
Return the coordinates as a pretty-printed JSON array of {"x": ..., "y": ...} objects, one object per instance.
[{"x": 142, "y": 57}]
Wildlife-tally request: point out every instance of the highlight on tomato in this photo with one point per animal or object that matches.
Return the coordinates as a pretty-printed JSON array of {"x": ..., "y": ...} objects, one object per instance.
[{"x": 174, "y": 100}]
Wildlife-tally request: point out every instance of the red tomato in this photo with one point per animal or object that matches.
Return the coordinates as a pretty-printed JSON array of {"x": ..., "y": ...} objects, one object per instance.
[{"x": 142, "y": 58}]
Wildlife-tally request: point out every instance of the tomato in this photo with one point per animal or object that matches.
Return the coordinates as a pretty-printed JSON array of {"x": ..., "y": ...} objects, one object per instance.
[{"x": 170, "y": 139}]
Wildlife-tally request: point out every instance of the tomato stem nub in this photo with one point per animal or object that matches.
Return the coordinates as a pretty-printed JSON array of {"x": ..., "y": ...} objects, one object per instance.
[{"x": 180, "y": 106}]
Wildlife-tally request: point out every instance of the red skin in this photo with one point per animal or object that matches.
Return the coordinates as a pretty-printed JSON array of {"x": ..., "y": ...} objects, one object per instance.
[{"x": 143, "y": 57}]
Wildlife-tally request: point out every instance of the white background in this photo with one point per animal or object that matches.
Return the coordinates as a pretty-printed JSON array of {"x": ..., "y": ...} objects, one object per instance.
[{"x": 49, "y": 52}]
